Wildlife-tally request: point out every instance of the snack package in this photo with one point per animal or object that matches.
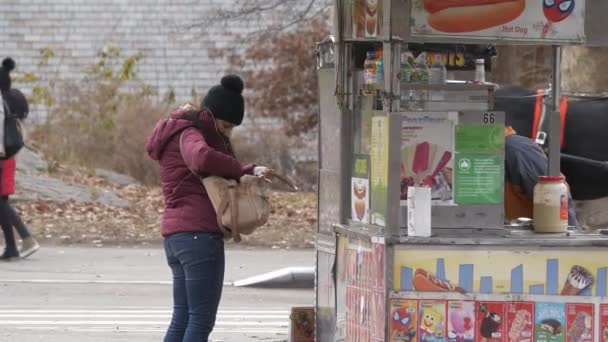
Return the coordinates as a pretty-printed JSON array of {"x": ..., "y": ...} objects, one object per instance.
[
  {"x": 490, "y": 322},
  {"x": 432, "y": 321},
  {"x": 520, "y": 321},
  {"x": 302, "y": 324},
  {"x": 579, "y": 321},
  {"x": 403, "y": 320},
  {"x": 550, "y": 322},
  {"x": 604, "y": 323},
  {"x": 461, "y": 321}
]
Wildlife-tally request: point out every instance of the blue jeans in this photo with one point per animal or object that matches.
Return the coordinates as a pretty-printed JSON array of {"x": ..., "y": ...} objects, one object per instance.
[{"x": 197, "y": 263}]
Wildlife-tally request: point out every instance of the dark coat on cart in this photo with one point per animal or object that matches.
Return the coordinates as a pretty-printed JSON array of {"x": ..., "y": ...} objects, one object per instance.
[
  {"x": 586, "y": 126},
  {"x": 525, "y": 161}
]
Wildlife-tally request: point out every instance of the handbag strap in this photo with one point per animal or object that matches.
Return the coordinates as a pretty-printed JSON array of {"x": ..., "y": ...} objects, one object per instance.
[
  {"x": 285, "y": 180},
  {"x": 234, "y": 213},
  {"x": 227, "y": 202},
  {"x": 181, "y": 150}
]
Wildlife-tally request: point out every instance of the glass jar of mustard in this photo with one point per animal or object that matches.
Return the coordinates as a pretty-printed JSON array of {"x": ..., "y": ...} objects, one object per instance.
[{"x": 551, "y": 205}]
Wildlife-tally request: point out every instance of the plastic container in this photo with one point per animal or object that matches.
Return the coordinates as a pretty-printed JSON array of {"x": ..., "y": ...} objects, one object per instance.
[
  {"x": 407, "y": 61},
  {"x": 437, "y": 71},
  {"x": 551, "y": 205},
  {"x": 419, "y": 211},
  {"x": 480, "y": 71},
  {"x": 420, "y": 73}
]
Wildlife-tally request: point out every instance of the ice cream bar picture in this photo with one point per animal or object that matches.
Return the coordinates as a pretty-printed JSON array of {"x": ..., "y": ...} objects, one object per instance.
[
  {"x": 577, "y": 281},
  {"x": 421, "y": 158},
  {"x": 407, "y": 159},
  {"x": 445, "y": 158}
]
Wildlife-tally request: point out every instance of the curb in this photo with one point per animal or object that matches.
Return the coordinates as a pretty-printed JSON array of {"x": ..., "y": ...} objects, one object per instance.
[{"x": 289, "y": 277}]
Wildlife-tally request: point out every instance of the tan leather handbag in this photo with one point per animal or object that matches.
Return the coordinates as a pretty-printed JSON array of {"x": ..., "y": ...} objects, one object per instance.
[{"x": 241, "y": 207}]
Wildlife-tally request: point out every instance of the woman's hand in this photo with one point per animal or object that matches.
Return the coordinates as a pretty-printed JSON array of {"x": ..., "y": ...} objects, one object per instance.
[{"x": 263, "y": 172}]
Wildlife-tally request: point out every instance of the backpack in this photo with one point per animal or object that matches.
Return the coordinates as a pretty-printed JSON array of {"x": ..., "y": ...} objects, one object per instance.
[{"x": 12, "y": 133}]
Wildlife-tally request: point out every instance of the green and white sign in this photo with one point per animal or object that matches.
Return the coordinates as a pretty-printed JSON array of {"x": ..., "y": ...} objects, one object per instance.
[
  {"x": 479, "y": 138},
  {"x": 479, "y": 178}
]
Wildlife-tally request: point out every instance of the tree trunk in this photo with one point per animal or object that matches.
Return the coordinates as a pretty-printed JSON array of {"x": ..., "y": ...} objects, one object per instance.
[
  {"x": 524, "y": 65},
  {"x": 531, "y": 67},
  {"x": 582, "y": 69}
]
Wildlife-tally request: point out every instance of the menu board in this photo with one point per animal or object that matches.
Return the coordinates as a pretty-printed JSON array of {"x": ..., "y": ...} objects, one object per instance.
[
  {"x": 520, "y": 321},
  {"x": 490, "y": 321},
  {"x": 555, "y": 21},
  {"x": 603, "y": 323},
  {"x": 580, "y": 322},
  {"x": 495, "y": 318},
  {"x": 432, "y": 320},
  {"x": 403, "y": 320},
  {"x": 360, "y": 189},
  {"x": 367, "y": 18},
  {"x": 427, "y": 149},
  {"x": 461, "y": 321}
]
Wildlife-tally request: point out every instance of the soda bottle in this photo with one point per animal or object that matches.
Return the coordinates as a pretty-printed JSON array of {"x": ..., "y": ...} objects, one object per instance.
[
  {"x": 369, "y": 68},
  {"x": 379, "y": 69}
]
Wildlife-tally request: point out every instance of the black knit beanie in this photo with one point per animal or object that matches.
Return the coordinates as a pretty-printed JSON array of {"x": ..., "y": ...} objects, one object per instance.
[
  {"x": 8, "y": 64},
  {"x": 225, "y": 100}
]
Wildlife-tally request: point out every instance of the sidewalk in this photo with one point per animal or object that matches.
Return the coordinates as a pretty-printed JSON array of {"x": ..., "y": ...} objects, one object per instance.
[{"x": 137, "y": 265}]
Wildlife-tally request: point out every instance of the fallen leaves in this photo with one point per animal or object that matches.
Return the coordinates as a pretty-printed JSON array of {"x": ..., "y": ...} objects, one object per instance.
[{"x": 291, "y": 225}]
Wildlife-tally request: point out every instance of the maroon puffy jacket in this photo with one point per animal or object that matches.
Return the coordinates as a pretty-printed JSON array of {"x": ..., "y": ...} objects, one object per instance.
[{"x": 205, "y": 152}]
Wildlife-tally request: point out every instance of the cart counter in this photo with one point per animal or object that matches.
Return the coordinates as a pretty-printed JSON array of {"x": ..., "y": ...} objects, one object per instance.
[{"x": 556, "y": 283}]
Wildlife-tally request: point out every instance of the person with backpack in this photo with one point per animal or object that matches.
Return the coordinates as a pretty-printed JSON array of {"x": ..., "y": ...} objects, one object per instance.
[
  {"x": 193, "y": 143},
  {"x": 14, "y": 108}
]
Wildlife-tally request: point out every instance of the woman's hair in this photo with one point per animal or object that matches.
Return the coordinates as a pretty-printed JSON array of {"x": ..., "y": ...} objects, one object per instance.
[{"x": 194, "y": 116}]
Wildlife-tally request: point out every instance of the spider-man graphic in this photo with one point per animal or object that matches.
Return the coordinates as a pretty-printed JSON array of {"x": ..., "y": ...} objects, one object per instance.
[
  {"x": 557, "y": 10},
  {"x": 402, "y": 327}
]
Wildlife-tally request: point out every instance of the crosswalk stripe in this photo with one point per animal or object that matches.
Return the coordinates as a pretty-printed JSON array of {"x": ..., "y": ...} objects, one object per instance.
[
  {"x": 83, "y": 316},
  {"x": 58, "y": 322},
  {"x": 253, "y": 312},
  {"x": 101, "y": 329},
  {"x": 137, "y": 319}
]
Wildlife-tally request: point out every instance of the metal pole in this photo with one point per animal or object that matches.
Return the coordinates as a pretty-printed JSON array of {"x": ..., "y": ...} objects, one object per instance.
[{"x": 554, "y": 117}]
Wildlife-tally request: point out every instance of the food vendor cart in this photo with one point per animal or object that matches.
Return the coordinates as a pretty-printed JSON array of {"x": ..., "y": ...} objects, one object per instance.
[{"x": 475, "y": 278}]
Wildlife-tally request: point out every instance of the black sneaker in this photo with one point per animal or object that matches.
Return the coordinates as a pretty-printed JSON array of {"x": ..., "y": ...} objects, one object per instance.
[{"x": 9, "y": 255}]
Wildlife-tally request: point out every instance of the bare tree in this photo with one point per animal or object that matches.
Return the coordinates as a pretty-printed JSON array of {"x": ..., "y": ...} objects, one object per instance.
[{"x": 271, "y": 43}]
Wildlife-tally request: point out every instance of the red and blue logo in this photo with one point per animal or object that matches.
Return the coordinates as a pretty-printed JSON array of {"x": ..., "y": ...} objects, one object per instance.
[{"x": 557, "y": 10}]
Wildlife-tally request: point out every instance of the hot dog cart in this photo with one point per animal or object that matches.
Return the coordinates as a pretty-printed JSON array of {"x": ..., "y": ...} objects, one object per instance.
[{"x": 475, "y": 278}]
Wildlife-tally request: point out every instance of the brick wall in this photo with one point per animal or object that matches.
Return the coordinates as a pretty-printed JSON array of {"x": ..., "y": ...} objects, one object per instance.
[
  {"x": 172, "y": 34},
  {"x": 175, "y": 57}
]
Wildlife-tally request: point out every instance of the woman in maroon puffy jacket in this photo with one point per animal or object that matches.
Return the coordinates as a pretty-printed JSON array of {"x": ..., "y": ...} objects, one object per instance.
[{"x": 193, "y": 242}]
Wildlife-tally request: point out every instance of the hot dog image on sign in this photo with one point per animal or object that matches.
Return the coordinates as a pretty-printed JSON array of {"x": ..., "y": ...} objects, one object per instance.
[{"x": 521, "y": 20}]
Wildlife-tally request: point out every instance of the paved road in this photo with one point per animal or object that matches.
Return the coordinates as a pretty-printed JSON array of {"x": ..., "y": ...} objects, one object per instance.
[{"x": 80, "y": 294}]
